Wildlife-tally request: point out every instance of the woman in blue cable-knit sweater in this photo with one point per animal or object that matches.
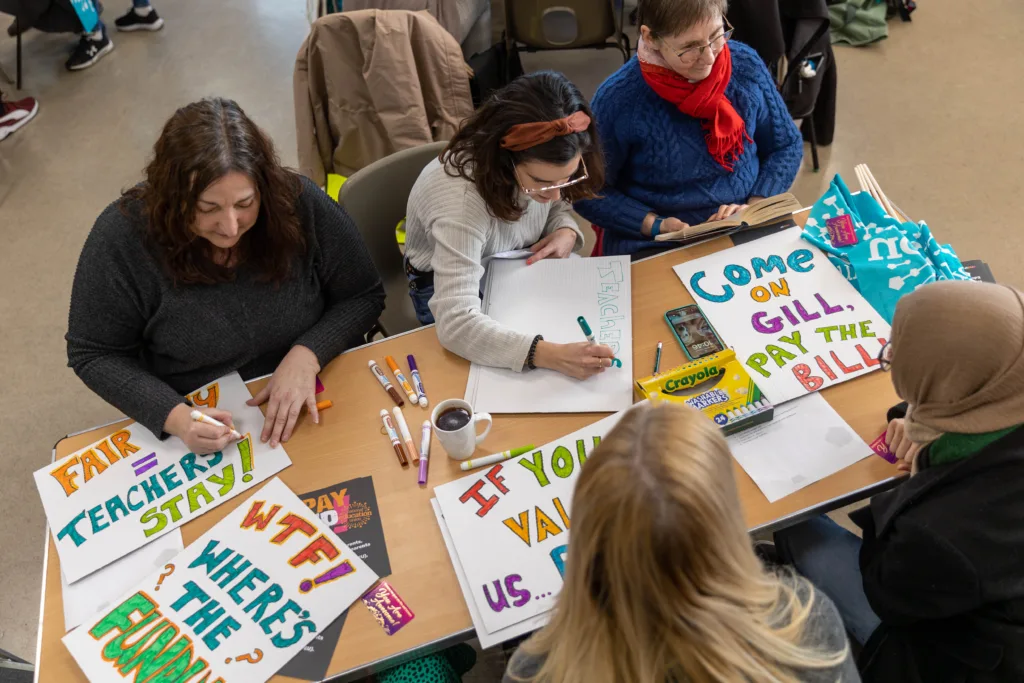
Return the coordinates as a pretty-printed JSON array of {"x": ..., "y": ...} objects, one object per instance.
[{"x": 692, "y": 129}]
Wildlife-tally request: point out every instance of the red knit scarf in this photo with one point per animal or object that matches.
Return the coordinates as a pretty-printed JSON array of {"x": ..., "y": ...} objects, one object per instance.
[{"x": 704, "y": 100}]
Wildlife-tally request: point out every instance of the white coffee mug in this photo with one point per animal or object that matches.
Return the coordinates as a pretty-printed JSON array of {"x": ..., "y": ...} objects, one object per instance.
[{"x": 460, "y": 443}]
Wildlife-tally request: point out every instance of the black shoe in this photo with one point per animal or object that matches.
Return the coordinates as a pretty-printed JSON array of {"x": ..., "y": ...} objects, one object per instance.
[
  {"x": 137, "y": 22},
  {"x": 89, "y": 52}
]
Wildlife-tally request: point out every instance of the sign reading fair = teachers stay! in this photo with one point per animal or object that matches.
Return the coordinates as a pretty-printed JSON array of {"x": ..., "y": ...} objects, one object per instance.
[
  {"x": 233, "y": 607},
  {"x": 795, "y": 322},
  {"x": 127, "y": 489}
]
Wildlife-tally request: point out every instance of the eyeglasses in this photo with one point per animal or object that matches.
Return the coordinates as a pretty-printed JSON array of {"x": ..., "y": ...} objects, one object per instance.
[
  {"x": 692, "y": 54},
  {"x": 578, "y": 177},
  {"x": 885, "y": 357}
]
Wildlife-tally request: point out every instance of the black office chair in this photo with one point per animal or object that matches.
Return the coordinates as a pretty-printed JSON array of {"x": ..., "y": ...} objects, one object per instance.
[{"x": 792, "y": 37}]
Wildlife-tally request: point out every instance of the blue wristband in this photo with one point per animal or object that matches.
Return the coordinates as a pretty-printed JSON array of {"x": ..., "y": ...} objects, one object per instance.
[{"x": 656, "y": 228}]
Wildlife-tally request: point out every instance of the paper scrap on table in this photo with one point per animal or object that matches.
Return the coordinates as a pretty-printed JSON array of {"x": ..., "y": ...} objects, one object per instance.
[
  {"x": 796, "y": 323},
  {"x": 510, "y": 523},
  {"x": 127, "y": 489},
  {"x": 88, "y": 596},
  {"x": 597, "y": 289},
  {"x": 234, "y": 606},
  {"x": 805, "y": 442}
]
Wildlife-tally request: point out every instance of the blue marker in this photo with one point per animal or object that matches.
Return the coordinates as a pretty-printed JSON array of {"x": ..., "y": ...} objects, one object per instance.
[{"x": 590, "y": 338}]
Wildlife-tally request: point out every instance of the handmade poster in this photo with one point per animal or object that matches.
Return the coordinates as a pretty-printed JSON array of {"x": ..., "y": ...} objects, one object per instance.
[
  {"x": 501, "y": 635},
  {"x": 796, "y": 323},
  {"x": 350, "y": 510},
  {"x": 510, "y": 526},
  {"x": 234, "y": 606},
  {"x": 89, "y": 595},
  {"x": 115, "y": 495}
]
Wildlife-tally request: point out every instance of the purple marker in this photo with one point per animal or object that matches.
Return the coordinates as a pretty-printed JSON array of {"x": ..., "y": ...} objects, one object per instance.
[
  {"x": 424, "y": 451},
  {"x": 417, "y": 383}
]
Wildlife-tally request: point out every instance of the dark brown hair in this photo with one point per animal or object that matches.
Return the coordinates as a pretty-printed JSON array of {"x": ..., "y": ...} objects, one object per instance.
[
  {"x": 201, "y": 143},
  {"x": 670, "y": 17},
  {"x": 475, "y": 153}
]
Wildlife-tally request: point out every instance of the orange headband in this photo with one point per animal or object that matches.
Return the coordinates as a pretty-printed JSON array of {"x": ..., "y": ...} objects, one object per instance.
[{"x": 527, "y": 135}]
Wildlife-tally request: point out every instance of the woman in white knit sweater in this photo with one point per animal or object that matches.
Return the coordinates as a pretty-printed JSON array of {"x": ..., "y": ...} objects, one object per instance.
[{"x": 506, "y": 181}]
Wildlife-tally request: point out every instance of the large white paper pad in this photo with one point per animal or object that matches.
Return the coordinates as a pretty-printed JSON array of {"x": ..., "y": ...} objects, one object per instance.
[
  {"x": 546, "y": 299},
  {"x": 123, "y": 491},
  {"x": 796, "y": 323},
  {"x": 234, "y": 606},
  {"x": 806, "y": 441}
]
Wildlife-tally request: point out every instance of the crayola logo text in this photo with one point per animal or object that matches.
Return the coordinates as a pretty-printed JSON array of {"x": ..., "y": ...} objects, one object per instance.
[{"x": 691, "y": 380}]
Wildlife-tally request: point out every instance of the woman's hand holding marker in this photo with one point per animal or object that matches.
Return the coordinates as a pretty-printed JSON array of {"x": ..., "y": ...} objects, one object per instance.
[
  {"x": 580, "y": 360},
  {"x": 201, "y": 437}
]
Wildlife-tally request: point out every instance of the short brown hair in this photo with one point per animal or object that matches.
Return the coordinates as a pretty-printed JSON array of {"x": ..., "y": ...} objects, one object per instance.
[
  {"x": 201, "y": 143},
  {"x": 670, "y": 17},
  {"x": 475, "y": 153}
]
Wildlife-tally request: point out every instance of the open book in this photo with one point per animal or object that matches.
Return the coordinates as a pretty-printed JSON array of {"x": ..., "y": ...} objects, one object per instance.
[{"x": 761, "y": 212}]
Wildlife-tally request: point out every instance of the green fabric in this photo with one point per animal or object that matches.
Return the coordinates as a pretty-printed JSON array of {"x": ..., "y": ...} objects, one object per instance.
[
  {"x": 954, "y": 447},
  {"x": 430, "y": 669},
  {"x": 443, "y": 667},
  {"x": 858, "y": 22}
]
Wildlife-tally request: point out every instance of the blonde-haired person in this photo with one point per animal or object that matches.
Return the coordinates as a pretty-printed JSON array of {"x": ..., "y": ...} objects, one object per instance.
[
  {"x": 661, "y": 582},
  {"x": 935, "y": 590}
]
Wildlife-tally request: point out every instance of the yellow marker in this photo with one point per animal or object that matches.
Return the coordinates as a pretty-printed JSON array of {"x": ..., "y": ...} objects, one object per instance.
[{"x": 397, "y": 372}]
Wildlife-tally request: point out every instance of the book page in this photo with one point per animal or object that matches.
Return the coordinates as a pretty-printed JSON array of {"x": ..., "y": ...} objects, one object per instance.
[{"x": 546, "y": 298}]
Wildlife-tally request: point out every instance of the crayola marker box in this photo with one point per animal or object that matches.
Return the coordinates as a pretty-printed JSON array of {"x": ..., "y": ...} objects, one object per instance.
[{"x": 718, "y": 386}]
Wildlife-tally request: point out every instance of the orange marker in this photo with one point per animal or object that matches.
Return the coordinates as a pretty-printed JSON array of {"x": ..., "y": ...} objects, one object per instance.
[
  {"x": 324, "y": 405},
  {"x": 397, "y": 372}
]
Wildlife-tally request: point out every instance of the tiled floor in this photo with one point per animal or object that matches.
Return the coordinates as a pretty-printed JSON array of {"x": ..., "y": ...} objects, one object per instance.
[{"x": 937, "y": 111}]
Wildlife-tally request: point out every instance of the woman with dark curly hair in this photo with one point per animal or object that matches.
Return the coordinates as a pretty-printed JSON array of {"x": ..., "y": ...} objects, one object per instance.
[
  {"x": 505, "y": 182},
  {"x": 221, "y": 260}
]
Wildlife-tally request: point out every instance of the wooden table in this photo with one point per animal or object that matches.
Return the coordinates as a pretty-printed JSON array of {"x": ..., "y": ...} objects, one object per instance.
[{"x": 348, "y": 444}]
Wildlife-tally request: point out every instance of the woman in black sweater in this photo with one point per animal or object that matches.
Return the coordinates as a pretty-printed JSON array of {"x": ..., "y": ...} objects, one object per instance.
[
  {"x": 938, "y": 593},
  {"x": 221, "y": 260}
]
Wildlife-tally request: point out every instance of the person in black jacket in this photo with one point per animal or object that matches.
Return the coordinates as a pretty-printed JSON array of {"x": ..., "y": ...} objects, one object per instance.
[{"x": 939, "y": 595}]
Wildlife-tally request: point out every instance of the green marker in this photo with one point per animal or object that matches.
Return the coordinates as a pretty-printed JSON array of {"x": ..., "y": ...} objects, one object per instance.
[
  {"x": 590, "y": 338},
  {"x": 467, "y": 465}
]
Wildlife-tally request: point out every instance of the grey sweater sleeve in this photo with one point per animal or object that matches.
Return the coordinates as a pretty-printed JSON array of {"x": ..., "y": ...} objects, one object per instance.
[
  {"x": 350, "y": 282},
  {"x": 113, "y": 282}
]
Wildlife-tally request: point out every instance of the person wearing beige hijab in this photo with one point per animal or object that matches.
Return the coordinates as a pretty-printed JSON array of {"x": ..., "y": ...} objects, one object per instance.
[{"x": 935, "y": 590}]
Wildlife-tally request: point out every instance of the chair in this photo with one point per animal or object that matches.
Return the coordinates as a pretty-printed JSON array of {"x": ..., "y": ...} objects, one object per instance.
[
  {"x": 792, "y": 37},
  {"x": 564, "y": 25},
  {"x": 376, "y": 198}
]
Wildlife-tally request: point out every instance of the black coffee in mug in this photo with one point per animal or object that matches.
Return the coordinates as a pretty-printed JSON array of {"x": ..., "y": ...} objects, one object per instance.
[{"x": 453, "y": 419}]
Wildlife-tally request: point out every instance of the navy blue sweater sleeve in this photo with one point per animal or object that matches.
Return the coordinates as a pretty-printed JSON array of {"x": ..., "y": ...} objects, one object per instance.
[
  {"x": 780, "y": 147},
  {"x": 613, "y": 210}
]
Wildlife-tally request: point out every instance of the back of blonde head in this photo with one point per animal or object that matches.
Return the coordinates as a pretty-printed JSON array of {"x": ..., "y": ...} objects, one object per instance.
[{"x": 661, "y": 582}]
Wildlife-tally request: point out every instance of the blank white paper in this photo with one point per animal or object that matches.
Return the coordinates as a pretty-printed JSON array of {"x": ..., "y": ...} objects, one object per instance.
[
  {"x": 546, "y": 298},
  {"x": 806, "y": 441},
  {"x": 88, "y": 596}
]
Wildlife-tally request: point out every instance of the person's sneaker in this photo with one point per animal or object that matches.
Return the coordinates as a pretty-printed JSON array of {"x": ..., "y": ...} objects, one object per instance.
[
  {"x": 89, "y": 51},
  {"x": 14, "y": 115},
  {"x": 132, "y": 21}
]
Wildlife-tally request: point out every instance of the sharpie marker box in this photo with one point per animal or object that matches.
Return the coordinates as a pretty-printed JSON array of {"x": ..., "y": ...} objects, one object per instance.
[{"x": 716, "y": 385}]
